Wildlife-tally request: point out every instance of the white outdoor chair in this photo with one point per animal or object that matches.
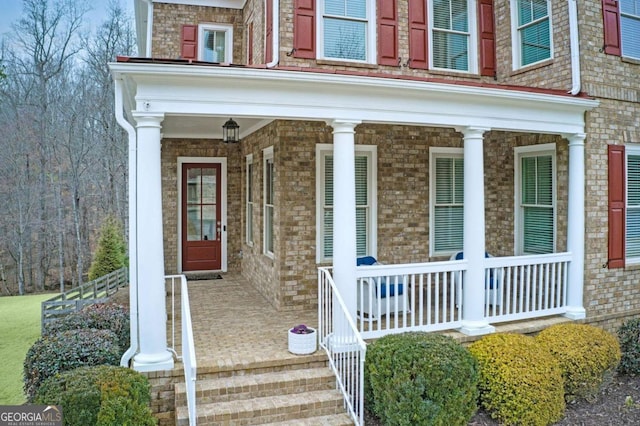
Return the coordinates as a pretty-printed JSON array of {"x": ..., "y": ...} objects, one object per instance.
[
  {"x": 375, "y": 295},
  {"x": 494, "y": 283}
]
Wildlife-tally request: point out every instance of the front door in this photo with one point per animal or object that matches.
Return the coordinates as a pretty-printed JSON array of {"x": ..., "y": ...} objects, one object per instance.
[{"x": 201, "y": 218}]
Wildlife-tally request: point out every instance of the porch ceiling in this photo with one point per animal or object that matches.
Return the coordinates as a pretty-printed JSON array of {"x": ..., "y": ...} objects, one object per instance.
[{"x": 191, "y": 95}]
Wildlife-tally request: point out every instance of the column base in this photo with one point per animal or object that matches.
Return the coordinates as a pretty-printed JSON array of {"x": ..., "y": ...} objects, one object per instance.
[
  {"x": 476, "y": 328},
  {"x": 153, "y": 362},
  {"x": 575, "y": 313}
]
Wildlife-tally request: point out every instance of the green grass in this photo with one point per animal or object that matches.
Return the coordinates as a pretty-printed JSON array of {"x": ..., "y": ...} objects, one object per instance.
[{"x": 19, "y": 328}]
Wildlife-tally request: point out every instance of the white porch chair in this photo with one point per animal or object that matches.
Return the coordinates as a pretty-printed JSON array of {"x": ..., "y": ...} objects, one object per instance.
[
  {"x": 376, "y": 295},
  {"x": 493, "y": 283}
]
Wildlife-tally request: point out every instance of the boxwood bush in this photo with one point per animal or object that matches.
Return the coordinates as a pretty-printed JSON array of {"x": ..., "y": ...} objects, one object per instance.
[
  {"x": 629, "y": 337},
  {"x": 520, "y": 381},
  {"x": 420, "y": 379},
  {"x": 67, "y": 350},
  {"x": 102, "y": 395}
]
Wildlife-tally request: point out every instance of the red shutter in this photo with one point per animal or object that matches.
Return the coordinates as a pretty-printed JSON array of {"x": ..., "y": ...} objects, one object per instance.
[
  {"x": 487, "y": 38},
  {"x": 611, "y": 20},
  {"x": 304, "y": 29},
  {"x": 250, "y": 44},
  {"x": 189, "y": 42},
  {"x": 268, "y": 38},
  {"x": 388, "y": 32},
  {"x": 418, "y": 47},
  {"x": 617, "y": 203}
]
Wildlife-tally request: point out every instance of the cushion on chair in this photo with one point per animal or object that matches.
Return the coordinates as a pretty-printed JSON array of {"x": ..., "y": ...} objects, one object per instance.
[
  {"x": 366, "y": 261},
  {"x": 392, "y": 290}
]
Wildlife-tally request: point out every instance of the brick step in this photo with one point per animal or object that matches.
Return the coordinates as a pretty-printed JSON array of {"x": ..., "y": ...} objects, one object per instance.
[
  {"x": 293, "y": 362},
  {"x": 332, "y": 420},
  {"x": 262, "y": 410}
]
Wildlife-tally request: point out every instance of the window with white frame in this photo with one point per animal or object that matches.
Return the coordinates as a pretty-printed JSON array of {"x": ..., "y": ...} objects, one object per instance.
[
  {"x": 215, "y": 43},
  {"x": 347, "y": 30},
  {"x": 632, "y": 237},
  {"x": 453, "y": 35},
  {"x": 535, "y": 199},
  {"x": 630, "y": 28},
  {"x": 446, "y": 181},
  {"x": 249, "y": 200},
  {"x": 531, "y": 24},
  {"x": 268, "y": 200},
  {"x": 366, "y": 184}
]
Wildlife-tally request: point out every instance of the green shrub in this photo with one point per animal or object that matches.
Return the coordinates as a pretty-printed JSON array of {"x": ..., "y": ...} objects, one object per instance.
[
  {"x": 102, "y": 395},
  {"x": 420, "y": 379},
  {"x": 111, "y": 252},
  {"x": 520, "y": 382},
  {"x": 56, "y": 353},
  {"x": 102, "y": 316},
  {"x": 587, "y": 356},
  {"x": 629, "y": 336}
]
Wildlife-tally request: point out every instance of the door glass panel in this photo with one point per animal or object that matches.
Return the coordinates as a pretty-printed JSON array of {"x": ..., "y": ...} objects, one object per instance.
[
  {"x": 193, "y": 185},
  {"x": 193, "y": 223},
  {"x": 209, "y": 222},
  {"x": 208, "y": 186}
]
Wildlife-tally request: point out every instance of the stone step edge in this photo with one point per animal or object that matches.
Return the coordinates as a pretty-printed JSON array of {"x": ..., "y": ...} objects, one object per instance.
[{"x": 342, "y": 419}]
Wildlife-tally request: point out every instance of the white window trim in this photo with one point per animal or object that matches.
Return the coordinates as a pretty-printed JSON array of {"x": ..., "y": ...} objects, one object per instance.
[
  {"x": 228, "y": 39},
  {"x": 371, "y": 49},
  {"x": 473, "y": 39},
  {"x": 636, "y": 18},
  {"x": 249, "y": 201},
  {"x": 533, "y": 151},
  {"x": 515, "y": 37},
  {"x": 267, "y": 155},
  {"x": 322, "y": 150},
  {"x": 433, "y": 153},
  {"x": 629, "y": 150}
]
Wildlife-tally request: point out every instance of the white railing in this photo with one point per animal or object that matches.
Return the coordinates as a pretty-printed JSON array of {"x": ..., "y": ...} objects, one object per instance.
[
  {"x": 343, "y": 344},
  {"x": 188, "y": 356}
]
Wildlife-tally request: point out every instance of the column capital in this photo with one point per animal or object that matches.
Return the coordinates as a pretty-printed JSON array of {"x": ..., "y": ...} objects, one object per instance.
[
  {"x": 472, "y": 132},
  {"x": 575, "y": 138},
  {"x": 343, "y": 126},
  {"x": 148, "y": 119}
]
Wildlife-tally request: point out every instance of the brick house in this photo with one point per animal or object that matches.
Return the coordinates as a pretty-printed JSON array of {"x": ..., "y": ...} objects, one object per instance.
[{"x": 406, "y": 130}]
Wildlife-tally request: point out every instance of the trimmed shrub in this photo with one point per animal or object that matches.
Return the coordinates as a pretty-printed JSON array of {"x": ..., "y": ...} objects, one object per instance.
[
  {"x": 56, "y": 353},
  {"x": 587, "y": 355},
  {"x": 101, "y": 316},
  {"x": 520, "y": 382},
  {"x": 111, "y": 252},
  {"x": 629, "y": 337},
  {"x": 420, "y": 379},
  {"x": 102, "y": 395}
]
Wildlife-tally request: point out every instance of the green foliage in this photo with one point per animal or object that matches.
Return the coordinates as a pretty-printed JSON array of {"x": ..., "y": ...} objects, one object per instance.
[
  {"x": 520, "y": 382},
  {"x": 420, "y": 379},
  {"x": 101, "y": 316},
  {"x": 102, "y": 395},
  {"x": 111, "y": 252},
  {"x": 67, "y": 350},
  {"x": 587, "y": 356},
  {"x": 629, "y": 336}
]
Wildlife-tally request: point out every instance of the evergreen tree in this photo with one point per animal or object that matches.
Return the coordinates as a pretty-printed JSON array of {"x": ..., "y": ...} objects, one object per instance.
[{"x": 111, "y": 252}]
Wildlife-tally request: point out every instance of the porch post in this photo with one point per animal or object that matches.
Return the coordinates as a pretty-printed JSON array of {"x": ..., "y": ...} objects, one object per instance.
[
  {"x": 344, "y": 212},
  {"x": 152, "y": 317},
  {"x": 473, "y": 321},
  {"x": 575, "y": 227}
]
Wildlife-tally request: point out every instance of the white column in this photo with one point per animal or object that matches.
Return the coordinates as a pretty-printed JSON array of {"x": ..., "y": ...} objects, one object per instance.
[
  {"x": 473, "y": 322},
  {"x": 575, "y": 228},
  {"x": 344, "y": 212},
  {"x": 152, "y": 316}
]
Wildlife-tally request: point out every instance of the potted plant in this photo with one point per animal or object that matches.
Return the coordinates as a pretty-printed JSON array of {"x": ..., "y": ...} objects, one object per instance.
[{"x": 302, "y": 340}]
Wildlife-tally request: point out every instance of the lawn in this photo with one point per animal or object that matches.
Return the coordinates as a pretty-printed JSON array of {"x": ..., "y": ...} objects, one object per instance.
[{"x": 19, "y": 328}]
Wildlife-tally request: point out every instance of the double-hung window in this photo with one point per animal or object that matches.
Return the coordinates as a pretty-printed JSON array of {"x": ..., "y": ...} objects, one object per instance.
[
  {"x": 446, "y": 186},
  {"x": 630, "y": 28},
  {"x": 531, "y": 23},
  {"x": 365, "y": 173},
  {"x": 453, "y": 29},
  {"x": 268, "y": 200},
  {"x": 346, "y": 30},
  {"x": 249, "y": 200},
  {"x": 215, "y": 43},
  {"x": 535, "y": 199},
  {"x": 632, "y": 237}
]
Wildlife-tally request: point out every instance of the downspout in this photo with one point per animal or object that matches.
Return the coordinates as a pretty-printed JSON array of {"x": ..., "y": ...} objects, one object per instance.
[
  {"x": 133, "y": 238},
  {"x": 149, "y": 27},
  {"x": 575, "y": 47},
  {"x": 276, "y": 35}
]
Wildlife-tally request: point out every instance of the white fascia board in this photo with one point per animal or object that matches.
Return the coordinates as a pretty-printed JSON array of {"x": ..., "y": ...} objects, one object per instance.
[
  {"x": 228, "y": 4},
  {"x": 273, "y": 94}
]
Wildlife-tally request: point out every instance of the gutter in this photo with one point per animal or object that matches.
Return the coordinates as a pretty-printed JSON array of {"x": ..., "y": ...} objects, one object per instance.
[
  {"x": 149, "y": 27},
  {"x": 276, "y": 34},
  {"x": 133, "y": 237},
  {"x": 575, "y": 48}
]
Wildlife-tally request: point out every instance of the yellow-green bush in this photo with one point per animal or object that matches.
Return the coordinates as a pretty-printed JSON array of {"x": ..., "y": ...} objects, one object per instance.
[
  {"x": 587, "y": 355},
  {"x": 520, "y": 382}
]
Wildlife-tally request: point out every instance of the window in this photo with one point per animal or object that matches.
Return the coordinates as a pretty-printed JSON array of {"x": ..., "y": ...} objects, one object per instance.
[
  {"x": 453, "y": 41},
  {"x": 268, "y": 199},
  {"x": 346, "y": 30},
  {"x": 249, "y": 200},
  {"x": 632, "y": 237},
  {"x": 536, "y": 199},
  {"x": 365, "y": 168},
  {"x": 531, "y": 21},
  {"x": 446, "y": 178},
  {"x": 630, "y": 28},
  {"x": 216, "y": 43}
]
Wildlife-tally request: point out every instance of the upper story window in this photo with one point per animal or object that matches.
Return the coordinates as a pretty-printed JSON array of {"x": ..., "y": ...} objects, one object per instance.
[
  {"x": 453, "y": 41},
  {"x": 215, "y": 43},
  {"x": 346, "y": 30},
  {"x": 630, "y": 28},
  {"x": 532, "y": 31}
]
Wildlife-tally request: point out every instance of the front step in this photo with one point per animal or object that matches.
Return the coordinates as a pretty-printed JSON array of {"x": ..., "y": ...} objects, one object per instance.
[{"x": 333, "y": 420}]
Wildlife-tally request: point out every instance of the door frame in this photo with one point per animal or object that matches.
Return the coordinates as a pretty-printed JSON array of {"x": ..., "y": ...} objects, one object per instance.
[{"x": 223, "y": 199}]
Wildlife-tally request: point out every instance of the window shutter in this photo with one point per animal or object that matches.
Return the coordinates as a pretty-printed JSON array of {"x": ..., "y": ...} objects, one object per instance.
[
  {"x": 616, "y": 206},
  {"x": 268, "y": 38},
  {"x": 304, "y": 29},
  {"x": 611, "y": 20},
  {"x": 189, "y": 42},
  {"x": 388, "y": 32},
  {"x": 487, "y": 38},
  {"x": 418, "y": 47},
  {"x": 250, "y": 44}
]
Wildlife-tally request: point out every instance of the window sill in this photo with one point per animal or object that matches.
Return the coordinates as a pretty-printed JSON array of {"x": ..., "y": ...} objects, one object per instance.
[
  {"x": 632, "y": 267},
  {"x": 532, "y": 67},
  {"x": 336, "y": 63},
  {"x": 452, "y": 73},
  {"x": 633, "y": 61}
]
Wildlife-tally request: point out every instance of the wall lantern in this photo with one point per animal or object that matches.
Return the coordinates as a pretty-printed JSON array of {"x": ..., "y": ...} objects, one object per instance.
[{"x": 230, "y": 131}]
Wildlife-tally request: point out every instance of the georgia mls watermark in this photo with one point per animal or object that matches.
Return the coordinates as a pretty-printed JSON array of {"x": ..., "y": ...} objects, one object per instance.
[{"x": 30, "y": 415}]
